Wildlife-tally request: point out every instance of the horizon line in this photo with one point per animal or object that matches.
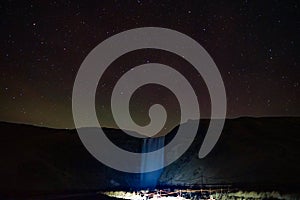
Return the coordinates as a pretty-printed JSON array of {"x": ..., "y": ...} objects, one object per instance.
[{"x": 117, "y": 128}]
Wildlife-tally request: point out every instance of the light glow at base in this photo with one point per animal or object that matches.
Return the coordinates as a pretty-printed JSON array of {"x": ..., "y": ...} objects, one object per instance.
[{"x": 165, "y": 195}]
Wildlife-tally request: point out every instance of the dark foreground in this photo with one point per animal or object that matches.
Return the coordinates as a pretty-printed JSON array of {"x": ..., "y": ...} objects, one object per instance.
[{"x": 64, "y": 196}]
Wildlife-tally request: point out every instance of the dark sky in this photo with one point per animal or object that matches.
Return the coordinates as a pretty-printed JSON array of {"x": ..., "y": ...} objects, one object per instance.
[{"x": 254, "y": 44}]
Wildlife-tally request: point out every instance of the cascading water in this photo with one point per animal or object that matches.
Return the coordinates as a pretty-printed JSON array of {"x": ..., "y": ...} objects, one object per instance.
[{"x": 149, "y": 180}]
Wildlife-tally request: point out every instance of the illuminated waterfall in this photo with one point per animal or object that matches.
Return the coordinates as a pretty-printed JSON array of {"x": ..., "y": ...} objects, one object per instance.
[{"x": 149, "y": 180}]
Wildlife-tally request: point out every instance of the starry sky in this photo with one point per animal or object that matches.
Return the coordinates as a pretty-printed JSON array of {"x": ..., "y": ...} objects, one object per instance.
[{"x": 255, "y": 45}]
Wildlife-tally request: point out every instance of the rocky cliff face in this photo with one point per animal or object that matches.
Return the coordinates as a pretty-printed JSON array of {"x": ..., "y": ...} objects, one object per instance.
[{"x": 251, "y": 151}]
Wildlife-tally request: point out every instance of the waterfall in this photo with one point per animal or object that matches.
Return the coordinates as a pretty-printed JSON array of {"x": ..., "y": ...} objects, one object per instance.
[{"x": 149, "y": 180}]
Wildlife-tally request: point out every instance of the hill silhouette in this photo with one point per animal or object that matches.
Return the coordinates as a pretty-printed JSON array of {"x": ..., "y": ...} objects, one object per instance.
[{"x": 250, "y": 152}]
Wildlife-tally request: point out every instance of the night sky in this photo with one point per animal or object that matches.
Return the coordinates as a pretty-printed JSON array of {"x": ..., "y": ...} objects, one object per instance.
[{"x": 43, "y": 43}]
